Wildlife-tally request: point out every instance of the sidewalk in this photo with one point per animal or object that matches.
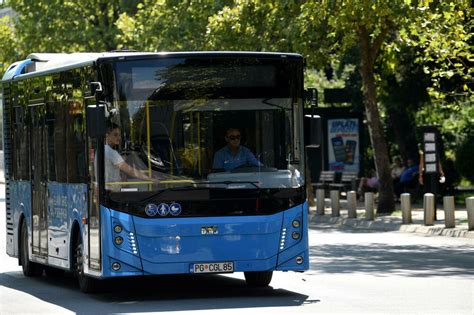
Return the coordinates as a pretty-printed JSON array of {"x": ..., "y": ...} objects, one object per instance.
[{"x": 394, "y": 222}]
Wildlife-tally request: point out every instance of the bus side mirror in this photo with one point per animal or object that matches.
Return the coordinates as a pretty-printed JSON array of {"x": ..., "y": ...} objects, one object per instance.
[
  {"x": 315, "y": 131},
  {"x": 95, "y": 120},
  {"x": 311, "y": 97},
  {"x": 96, "y": 88}
]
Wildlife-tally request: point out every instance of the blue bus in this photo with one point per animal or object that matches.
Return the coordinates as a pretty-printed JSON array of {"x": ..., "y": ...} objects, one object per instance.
[{"x": 153, "y": 200}]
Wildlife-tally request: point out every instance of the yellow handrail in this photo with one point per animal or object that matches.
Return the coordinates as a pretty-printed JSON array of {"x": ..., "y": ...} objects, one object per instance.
[
  {"x": 199, "y": 141},
  {"x": 129, "y": 183},
  {"x": 147, "y": 106},
  {"x": 173, "y": 118}
]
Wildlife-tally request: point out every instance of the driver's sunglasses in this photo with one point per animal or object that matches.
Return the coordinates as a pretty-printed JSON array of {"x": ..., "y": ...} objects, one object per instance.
[{"x": 233, "y": 138}]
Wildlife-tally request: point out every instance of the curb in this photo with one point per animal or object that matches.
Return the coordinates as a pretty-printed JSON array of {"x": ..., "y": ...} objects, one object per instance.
[{"x": 389, "y": 224}]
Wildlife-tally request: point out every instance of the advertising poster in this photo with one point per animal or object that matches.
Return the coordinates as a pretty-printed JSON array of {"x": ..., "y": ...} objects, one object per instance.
[{"x": 343, "y": 144}]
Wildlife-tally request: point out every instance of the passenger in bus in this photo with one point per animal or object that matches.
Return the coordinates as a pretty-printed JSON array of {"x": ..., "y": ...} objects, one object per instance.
[
  {"x": 234, "y": 154},
  {"x": 114, "y": 162}
]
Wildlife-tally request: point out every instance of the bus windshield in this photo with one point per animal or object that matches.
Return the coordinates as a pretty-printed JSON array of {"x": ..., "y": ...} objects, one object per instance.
[{"x": 223, "y": 122}]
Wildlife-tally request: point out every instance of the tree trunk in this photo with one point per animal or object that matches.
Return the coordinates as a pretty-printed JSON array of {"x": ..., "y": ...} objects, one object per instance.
[{"x": 368, "y": 54}]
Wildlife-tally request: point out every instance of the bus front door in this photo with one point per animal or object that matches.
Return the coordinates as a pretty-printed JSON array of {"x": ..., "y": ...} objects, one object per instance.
[{"x": 38, "y": 176}]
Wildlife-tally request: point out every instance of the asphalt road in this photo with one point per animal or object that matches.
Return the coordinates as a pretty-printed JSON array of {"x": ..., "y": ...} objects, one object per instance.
[{"x": 352, "y": 272}]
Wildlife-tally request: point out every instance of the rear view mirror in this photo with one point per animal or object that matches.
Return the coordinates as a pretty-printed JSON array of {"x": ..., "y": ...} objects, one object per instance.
[
  {"x": 95, "y": 119},
  {"x": 315, "y": 131}
]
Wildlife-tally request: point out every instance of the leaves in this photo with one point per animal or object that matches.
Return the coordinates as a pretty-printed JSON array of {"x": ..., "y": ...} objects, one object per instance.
[
  {"x": 445, "y": 47},
  {"x": 7, "y": 44},
  {"x": 68, "y": 26}
]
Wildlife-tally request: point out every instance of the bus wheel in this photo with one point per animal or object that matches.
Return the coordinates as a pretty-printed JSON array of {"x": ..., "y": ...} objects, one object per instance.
[
  {"x": 86, "y": 284},
  {"x": 30, "y": 269},
  {"x": 258, "y": 278}
]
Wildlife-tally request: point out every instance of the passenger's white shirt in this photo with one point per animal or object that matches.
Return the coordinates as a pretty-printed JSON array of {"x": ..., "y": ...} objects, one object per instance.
[{"x": 112, "y": 173}]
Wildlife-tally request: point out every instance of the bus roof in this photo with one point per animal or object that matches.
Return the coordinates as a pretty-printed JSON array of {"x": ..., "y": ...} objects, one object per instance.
[{"x": 37, "y": 64}]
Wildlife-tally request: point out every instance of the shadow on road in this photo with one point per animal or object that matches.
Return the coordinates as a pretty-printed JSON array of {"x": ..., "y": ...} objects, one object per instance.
[
  {"x": 153, "y": 294},
  {"x": 382, "y": 259},
  {"x": 327, "y": 227}
]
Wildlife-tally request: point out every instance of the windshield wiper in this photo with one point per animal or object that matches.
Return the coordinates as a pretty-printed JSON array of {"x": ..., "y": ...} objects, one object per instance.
[
  {"x": 195, "y": 186},
  {"x": 225, "y": 182}
]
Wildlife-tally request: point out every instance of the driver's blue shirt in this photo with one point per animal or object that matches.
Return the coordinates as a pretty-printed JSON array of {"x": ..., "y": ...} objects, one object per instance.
[{"x": 224, "y": 159}]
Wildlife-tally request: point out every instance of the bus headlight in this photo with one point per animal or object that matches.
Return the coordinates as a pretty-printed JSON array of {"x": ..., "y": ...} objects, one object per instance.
[
  {"x": 118, "y": 240},
  {"x": 295, "y": 235},
  {"x": 296, "y": 224},
  {"x": 118, "y": 229},
  {"x": 115, "y": 266}
]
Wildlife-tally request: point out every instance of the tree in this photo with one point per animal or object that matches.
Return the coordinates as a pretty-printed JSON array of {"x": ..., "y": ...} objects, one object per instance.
[
  {"x": 442, "y": 39},
  {"x": 69, "y": 26},
  {"x": 403, "y": 93},
  {"x": 442, "y": 34},
  {"x": 368, "y": 25},
  {"x": 7, "y": 44},
  {"x": 168, "y": 25}
]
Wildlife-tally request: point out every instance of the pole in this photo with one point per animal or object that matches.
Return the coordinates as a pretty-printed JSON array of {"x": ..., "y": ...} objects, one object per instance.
[
  {"x": 335, "y": 205},
  {"x": 405, "y": 201},
  {"x": 320, "y": 201},
  {"x": 434, "y": 191},
  {"x": 352, "y": 204},
  {"x": 470, "y": 213},
  {"x": 448, "y": 205},
  {"x": 369, "y": 206},
  {"x": 429, "y": 208}
]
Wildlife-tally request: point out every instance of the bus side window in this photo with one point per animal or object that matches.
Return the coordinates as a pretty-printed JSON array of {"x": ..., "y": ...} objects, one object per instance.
[
  {"x": 50, "y": 119},
  {"x": 20, "y": 142},
  {"x": 56, "y": 122},
  {"x": 21, "y": 134},
  {"x": 76, "y": 144}
]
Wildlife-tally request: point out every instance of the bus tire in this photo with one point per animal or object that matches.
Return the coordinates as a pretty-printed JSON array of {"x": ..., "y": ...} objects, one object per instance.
[
  {"x": 258, "y": 278},
  {"x": 30, "y": 269},
  {"x": 86, "y": 283}
]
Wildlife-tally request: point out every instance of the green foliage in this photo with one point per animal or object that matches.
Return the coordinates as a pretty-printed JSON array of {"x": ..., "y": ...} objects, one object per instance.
[
  {"x": 7, "y": 44},
  {"x": 255, "y": 25},
  {"x": 69, "y": 26},
  {"x": 402, "y": 93},
  {"x": 167, "y": 25},
  {"x": 442, "y": 33},
  {"x": 456, "y": 123},
  {"x": 319, "y": 79}
]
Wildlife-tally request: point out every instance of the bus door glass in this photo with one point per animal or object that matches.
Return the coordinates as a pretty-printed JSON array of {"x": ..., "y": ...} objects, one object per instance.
[
  {"x": 38, "y": 171},
  {"x": 94, "y": 208}
]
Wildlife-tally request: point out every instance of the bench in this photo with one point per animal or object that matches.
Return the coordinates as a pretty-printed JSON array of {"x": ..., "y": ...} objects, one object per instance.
[
  {"x": 464, "y": 189},
  {"x": 325, "y": 179},
  {"x": 348, "y": 182}
]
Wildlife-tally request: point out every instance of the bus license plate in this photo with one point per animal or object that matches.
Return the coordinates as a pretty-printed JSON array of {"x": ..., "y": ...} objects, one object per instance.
[{"x": 219, "y": 267}]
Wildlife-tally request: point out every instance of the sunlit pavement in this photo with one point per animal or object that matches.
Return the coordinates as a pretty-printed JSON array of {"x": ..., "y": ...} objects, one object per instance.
[{"x": 352, "y": 271}]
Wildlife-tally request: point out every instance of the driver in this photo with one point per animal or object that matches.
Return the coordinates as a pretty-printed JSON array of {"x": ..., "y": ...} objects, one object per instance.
[{"x": 233, "y": 154}]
